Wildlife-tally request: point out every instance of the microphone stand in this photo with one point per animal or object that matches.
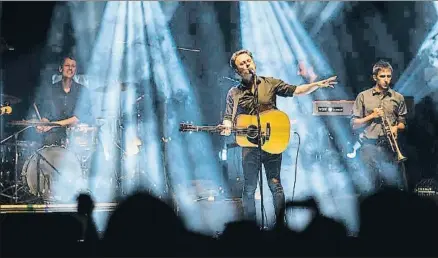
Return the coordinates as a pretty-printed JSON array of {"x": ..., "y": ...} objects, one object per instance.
[{"x": 259, "y": 146}]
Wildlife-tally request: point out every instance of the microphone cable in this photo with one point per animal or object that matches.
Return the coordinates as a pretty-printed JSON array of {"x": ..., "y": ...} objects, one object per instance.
[{"x": 296, "y": 166}]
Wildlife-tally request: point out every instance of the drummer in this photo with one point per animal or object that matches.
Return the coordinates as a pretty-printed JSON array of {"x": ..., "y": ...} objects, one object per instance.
[{"x": 66, "y": 103}]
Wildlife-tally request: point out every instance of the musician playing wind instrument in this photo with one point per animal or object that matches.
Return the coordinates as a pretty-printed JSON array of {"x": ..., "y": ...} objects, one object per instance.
[
  {"x": 371, "y": 109},
  {"x": 241, "y": 100}
]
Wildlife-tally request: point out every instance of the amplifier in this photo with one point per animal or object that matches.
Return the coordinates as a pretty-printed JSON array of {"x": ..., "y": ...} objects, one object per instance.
[{"x": 333, "y": 107}]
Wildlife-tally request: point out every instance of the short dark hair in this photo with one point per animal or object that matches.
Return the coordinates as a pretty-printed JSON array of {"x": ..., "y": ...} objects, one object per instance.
[
  {"x": 380, "y": 65},
  {"x": 62, "y": 61},
  {"x": 236, "y": 54}
]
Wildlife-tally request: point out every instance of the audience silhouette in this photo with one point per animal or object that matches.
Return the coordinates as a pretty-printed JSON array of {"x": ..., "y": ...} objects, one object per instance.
[{"x": 392, "y": 223}]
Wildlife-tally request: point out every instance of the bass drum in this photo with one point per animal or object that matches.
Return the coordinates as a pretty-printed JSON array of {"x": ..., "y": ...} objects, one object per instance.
[{"x": 61, "y": 178}]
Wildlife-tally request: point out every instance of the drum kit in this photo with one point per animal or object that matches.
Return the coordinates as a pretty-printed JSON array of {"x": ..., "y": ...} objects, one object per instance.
[
  {"x": 33, "y": 171},
  {"x": 30, "y": 167}
]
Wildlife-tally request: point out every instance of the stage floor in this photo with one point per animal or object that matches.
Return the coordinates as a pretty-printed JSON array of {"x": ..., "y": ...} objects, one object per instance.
[{"x": 47, "y": 208}]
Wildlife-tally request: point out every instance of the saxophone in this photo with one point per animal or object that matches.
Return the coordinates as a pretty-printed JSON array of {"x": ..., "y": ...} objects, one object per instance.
[{"x": 391, "y": 138}]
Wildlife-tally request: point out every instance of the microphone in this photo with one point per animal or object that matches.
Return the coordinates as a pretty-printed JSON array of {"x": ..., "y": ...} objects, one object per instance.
[
  {"x": 188, "y": 49},
  {"x": 251, "y": 71}
]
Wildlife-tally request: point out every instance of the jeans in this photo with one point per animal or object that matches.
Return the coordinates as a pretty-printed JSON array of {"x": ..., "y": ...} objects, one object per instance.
[
  {"x": 272, "y": 164},
  {"x": 382, "y": 167}
]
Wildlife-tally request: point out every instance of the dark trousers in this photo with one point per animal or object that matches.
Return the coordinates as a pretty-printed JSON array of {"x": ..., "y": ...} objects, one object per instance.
[
  {"x": 382, "y": 167},
  {"x": 272, "y": 165}
]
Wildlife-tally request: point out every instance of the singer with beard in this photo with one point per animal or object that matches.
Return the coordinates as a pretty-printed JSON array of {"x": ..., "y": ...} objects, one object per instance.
[
  {"x": 268, "y": 89},
  {"x": 369, "y": 107}
]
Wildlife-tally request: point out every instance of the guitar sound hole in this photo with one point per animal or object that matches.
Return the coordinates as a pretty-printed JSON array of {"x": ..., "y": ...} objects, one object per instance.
[
  {"x": 252, "y": 135},
  {"x": 252, "y": 132}
]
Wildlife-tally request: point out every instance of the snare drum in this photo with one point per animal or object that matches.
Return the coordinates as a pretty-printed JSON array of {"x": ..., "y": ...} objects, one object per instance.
[
  {"x": 82, "y": 136},
  {"x": 60, "y": 175}
]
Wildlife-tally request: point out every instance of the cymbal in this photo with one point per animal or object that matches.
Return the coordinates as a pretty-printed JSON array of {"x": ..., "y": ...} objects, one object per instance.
[
  {"x": 32, "y": 123},
  {"x": 123, "y": 86},
  {"x": 10, "y": 99}
]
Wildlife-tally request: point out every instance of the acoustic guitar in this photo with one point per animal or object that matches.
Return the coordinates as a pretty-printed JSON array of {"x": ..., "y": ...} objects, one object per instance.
[{"x": 275, "y": 130}]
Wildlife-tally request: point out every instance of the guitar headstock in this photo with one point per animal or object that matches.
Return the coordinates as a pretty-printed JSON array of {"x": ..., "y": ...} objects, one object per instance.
[{"x": 187, "y": 127}]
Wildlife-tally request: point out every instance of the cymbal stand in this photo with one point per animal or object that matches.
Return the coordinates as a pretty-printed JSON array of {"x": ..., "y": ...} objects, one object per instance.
[
  {"x": 169, "y": 187},
  {"x": 114, "y": 132},
  {"x": 15, "y": 186},
  {"x": 138, "y": 133}
]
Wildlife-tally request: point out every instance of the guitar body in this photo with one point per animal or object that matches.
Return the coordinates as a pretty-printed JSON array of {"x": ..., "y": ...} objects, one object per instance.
[{"x": 275, "y": 127}]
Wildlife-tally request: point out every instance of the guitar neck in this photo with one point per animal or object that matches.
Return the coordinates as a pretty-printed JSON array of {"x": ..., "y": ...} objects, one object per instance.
[
  {"x": 208, "y": 129},
  {"x": 215, "y": 129}
]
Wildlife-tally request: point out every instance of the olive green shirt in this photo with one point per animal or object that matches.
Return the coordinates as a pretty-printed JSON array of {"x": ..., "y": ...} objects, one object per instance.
[
  {"x": 268, "y": 89},
  {"x": 393, "y": 104}
]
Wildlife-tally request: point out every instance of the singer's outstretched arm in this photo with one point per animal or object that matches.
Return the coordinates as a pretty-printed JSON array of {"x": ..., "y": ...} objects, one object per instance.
[
  {"x": 287, "y": 90},
  {"x": 305, "y": 89},
  {"x": 311, "y": 87}
]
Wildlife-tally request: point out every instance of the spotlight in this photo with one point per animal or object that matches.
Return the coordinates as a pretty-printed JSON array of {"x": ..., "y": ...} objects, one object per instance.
[{"x": 132, "y": 148}]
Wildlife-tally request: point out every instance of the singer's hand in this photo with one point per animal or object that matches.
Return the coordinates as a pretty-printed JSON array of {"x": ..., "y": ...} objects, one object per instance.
[
  {"x": 330, "y": 82},
  {"x": 378, "y": 112},
  {"x": 394, "y": 130},
  {"x": 43, "y": 129},
  {"x": 226, "y": 127}
]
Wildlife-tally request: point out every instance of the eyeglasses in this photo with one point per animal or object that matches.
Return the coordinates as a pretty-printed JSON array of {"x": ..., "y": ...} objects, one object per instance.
[{"x": 387, "y": 76}]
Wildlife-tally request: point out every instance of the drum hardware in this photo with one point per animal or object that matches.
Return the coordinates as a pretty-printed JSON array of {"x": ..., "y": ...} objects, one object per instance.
[
  {"x": 37, "y": 111},
  {"x": 135, "y": 145},
  {"x": 14, "y": 196},
  {"x": 82, "y": 139},
  {"x": 25, "y": 150},
  {"x": 55, "y": 164},
  {"x": 115, "y": 129},
  {"x": 40, "y": 156},
  {"x": 39, "y": 166},
  {"x": 39, "y": 163},
  {"x": 28, "y": 124},
  {"x": 82, "y": 136},
  {"x": 33, "y": 123}
]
